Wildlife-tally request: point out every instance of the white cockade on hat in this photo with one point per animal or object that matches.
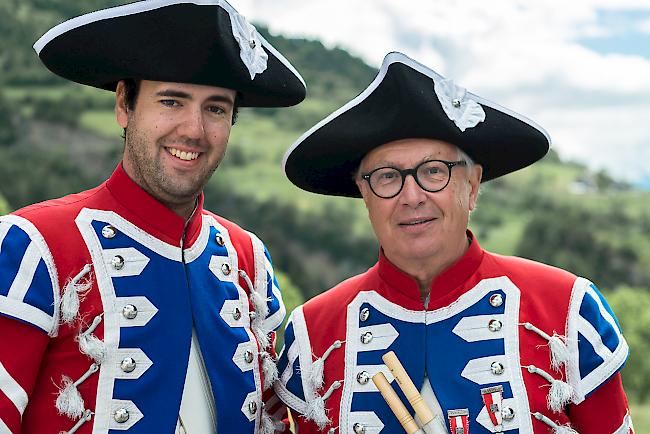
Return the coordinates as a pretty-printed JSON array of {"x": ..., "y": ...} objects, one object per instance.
[
  {"x": 466, "y": 113},
  {"x": 250, "y": 44}
]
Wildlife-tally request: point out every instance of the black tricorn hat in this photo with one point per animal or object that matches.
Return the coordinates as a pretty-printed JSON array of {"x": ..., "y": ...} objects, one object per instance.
[
  {"x": 199, "y": 42},
  {"x": 409, "y": 100}
]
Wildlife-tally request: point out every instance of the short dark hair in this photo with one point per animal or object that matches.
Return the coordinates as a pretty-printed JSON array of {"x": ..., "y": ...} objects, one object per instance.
[{"x": 132, "y": 87}]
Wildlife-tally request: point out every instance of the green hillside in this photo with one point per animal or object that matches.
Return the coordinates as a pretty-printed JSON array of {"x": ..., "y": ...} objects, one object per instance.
[{"x": 57, "y": 137}]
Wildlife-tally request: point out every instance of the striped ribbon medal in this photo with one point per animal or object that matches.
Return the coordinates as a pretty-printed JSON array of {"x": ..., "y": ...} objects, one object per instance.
[
  {"x": 459, "y": 421},
  {"x": 493, "y": 400}
]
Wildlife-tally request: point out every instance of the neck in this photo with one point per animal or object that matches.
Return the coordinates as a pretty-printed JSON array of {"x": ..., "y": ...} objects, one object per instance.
[
  {"x": 426, "y": 270},
  {"x": 184, "y": 210}
]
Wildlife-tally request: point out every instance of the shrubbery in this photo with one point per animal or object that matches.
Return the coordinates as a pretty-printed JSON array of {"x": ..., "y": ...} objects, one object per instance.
[{"x": 632, "y": 308}]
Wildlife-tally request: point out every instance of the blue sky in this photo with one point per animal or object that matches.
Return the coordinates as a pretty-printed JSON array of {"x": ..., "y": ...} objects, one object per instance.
[
  {"x": 579, "y": 68},
  {"x": 628, "y": 33}
]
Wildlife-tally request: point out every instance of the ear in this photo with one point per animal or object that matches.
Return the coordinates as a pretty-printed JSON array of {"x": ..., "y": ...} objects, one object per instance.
[
  {"x": 363, "y": 189},
  {"x": 121, "y": 110},
  {"x": 475, "y": 183}
]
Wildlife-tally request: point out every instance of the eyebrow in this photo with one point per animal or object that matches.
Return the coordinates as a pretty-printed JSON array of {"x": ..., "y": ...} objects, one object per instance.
[
  {"x": 386, "y": 163},
  {"x": 180, "y": 94}
]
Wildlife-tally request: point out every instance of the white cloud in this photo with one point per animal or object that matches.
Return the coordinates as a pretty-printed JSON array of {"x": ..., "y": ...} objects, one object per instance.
[
  {"x": 643, "y": 26},
  {"x": 524, "y": 55}
]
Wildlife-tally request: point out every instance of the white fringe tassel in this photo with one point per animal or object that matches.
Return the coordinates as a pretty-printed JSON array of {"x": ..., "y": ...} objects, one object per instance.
[
  {"x": 560, "y": 394},
  {"x": 69, "y": 402},
  {"x": 559, "y": 351},
  {"x": 316, "y": 407},
  {"x": 90, "y": 344},
  {"x": 316, "y": 375},
  {"x": 557, "y": 345},
  {"x": 316, "y": 412},
  {"x": 267, "y": 425},
  {"x": 557, "y": 429},
  {"x": 269, "y": 368},
  {"x": 71, "y": 293},
  {"x": 260, "y": 304}
]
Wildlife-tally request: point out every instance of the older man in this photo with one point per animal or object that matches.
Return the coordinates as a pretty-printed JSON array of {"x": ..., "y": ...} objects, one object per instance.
[
  {"x": 129, "y": 307},
  {"x": 495, "y": 343}
]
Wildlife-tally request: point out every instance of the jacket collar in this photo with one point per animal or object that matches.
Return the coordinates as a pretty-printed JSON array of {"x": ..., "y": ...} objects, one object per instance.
[
  {"x": 151, "y": 215},
  {"x": 444, "y": 286}
]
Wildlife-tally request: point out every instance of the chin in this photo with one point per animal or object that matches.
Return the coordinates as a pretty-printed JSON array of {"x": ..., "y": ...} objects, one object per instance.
[{"x": 414, "y": 253}]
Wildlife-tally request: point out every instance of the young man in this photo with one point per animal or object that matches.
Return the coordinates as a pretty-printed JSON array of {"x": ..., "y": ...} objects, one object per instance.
[
  {"x": 495, "y": 343},
  {"x": 129, "y": 307}
]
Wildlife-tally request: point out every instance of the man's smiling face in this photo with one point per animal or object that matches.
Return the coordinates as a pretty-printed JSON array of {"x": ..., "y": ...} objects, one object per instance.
[
  {"x": 416, "y": 226},
  {"x": 176, "y": 136}
]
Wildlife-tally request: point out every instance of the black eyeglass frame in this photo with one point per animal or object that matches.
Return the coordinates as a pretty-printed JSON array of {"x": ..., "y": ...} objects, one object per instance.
[{"x": 414, "y": 173}]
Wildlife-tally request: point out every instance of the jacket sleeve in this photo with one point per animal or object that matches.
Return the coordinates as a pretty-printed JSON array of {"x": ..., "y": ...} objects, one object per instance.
[
  {"x": 605, "y": 411},
  {"x": 21, "y": 350},
  {"x": 28, "y": 314},
  {"x": 597, "y": 348},
  {"x": 29, "y": 290}
]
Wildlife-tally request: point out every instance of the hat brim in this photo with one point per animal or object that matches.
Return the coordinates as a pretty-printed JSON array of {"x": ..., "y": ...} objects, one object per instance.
[
  {"x": 179, "y": 41},
  {"x": 401, "y": 103}
]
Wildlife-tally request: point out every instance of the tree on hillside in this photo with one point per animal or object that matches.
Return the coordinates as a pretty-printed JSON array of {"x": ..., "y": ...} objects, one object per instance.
[
  {"x": 632, "y": 307},
  {"x": 4, "y": 206},
  {"x": 7, "y": 122},
  {"x": 571, "y": 238}
]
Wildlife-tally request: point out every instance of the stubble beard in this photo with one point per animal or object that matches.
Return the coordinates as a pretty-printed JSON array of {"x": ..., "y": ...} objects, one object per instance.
[{"x": 151, "y": 175}]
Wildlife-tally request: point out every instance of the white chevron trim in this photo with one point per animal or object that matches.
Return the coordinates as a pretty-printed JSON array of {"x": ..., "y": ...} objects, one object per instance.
[
  {"x": 603, "y": 312},
  {"x": 627, "y": 425},
  {"x": 134, "y": 414},
  {"x": 484, "y": 419},
  {"x": 292, "y": 354},
  {"x": 475, "y": 328},
  {"x": 51, "y": 324},
  {"x": 26, "y": 312},
  {"x": 4, "y": 429},
  {"x": 4, "y": 229},
  {"x": 371, "y": 370},
  {"x": 12, "y": 390},
  {"x": 591, "y": 334},
  {"x": 371, "y": 422},
  {"x": 134, "y": 262},
  {"x": 25, "y": 274},
  {"x": 480, "y": 372},
  {"x": 383, "y": 335}
]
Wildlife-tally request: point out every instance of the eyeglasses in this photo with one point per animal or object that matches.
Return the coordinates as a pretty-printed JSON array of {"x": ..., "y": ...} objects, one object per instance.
[{"x": 430, "y": 175}]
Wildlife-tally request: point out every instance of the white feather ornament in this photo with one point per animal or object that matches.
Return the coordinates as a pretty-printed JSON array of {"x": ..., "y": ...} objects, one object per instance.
[{"x": 464, "y": 112}]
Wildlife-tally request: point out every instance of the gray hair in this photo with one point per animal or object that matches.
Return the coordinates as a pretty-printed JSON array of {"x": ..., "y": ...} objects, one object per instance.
[{"x": 462, "y": 156}]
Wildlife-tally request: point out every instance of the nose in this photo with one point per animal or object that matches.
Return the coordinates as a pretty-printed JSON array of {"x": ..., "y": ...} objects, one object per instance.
[
  {"x": 191, "y": 125},
  {"x": 412, "y": 194}
]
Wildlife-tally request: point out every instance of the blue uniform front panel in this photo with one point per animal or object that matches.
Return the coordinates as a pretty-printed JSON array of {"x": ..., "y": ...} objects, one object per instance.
[
  {"x": 411, "y": 339},
  {"x": 447, "y": 355},
  {"x": 218, "y": 340},
  {"x": 164, "y": 284}
]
